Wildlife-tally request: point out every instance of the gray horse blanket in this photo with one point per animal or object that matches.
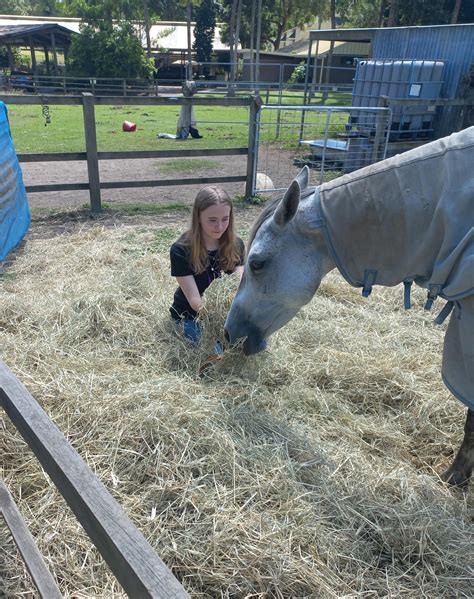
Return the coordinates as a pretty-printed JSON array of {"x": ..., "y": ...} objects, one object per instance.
[{"x": 411, "y": 218}]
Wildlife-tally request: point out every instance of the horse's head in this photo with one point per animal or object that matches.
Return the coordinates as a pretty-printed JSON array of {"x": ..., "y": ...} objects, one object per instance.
[{"x": 286, "y": 261}]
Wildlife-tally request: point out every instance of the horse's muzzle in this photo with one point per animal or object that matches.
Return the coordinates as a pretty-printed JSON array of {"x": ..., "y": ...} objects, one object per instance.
[
  {"x": 236, "y": 329},
  {"x": 254, "y": 345}
]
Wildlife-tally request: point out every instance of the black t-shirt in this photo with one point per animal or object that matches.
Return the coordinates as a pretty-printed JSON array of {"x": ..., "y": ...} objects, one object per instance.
[{"x": 181, "y": 267}]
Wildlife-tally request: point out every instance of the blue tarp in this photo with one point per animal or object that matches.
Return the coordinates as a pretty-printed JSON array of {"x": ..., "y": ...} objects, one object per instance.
[{"x": 14, "y": 210}]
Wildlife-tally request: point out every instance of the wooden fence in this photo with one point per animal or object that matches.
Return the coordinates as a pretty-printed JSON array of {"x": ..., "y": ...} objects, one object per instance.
[
  {"x": 132, "y": 560},
  {"x": 92, "y": 154}
]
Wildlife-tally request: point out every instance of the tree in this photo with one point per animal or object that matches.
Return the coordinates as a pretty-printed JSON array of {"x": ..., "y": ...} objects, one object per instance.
[
  {"x": 115, "y": 52},
  {"x": 31, "y": 7},
  {"x": 204, "y": 30},
  {"x": 102, "y": 13},
  {"x": 276, "y": 17},
  {"x": 377, "y": 13},
  {"x": 362, "y": 13}
]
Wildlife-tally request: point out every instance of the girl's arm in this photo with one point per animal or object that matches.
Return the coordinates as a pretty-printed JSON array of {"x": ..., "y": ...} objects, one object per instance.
[
  {"x": 240, "y": 270},
  {"x": 191, "y": 292}
]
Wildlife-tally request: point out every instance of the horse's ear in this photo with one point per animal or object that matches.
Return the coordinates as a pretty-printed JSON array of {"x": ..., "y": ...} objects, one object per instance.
[
  {"x": 303, "y": 178},
  {"x": 288, "y": 206}
]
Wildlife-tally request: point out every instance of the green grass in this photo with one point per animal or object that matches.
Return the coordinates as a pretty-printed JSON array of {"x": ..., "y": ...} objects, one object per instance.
[
  {"x": 221, "y": 127},
  {"x": 188, "y": 165},
  {"x": 65, "y": 133},
  {"x": 143, "y": 208}
]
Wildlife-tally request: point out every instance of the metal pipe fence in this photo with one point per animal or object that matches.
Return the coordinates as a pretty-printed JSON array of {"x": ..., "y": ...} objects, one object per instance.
[{"x": 325, "y": 138}]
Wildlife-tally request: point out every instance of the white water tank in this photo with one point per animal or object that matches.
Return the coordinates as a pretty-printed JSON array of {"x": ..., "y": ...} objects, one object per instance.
[{"x": 398, "y": 79}]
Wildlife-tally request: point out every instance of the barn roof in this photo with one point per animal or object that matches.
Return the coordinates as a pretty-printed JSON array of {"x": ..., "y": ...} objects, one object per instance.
[{"x": 39, "y": 34}]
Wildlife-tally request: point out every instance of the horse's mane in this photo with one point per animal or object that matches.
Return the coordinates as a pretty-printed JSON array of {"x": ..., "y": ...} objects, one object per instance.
[{"x": 269, "y": 210}]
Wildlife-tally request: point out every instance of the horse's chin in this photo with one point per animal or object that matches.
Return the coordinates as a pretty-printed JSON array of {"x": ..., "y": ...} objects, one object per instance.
[{"x": 253, "y": 345}]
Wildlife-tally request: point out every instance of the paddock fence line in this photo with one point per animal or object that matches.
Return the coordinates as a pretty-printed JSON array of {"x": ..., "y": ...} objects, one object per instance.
[
  {"x": 58, "y": 84},
  {"x": 93, "y": 156},
  {"x": 210, "y": 77},
  {"x": 134, "y": 563}
]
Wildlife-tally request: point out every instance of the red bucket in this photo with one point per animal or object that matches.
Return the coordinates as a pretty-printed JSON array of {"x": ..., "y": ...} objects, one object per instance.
[{"x": 128, "y": 126}]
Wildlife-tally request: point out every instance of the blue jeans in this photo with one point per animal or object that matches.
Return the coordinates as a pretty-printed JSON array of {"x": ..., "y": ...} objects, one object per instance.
[{"x": 192, "y": 330}]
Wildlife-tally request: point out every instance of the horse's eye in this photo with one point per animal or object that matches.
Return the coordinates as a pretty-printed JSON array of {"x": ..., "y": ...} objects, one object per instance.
[{"x": 256, "y": 265}]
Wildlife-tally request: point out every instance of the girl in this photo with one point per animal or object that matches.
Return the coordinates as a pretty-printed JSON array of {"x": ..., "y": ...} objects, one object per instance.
[{"x": 199, "y": 256}]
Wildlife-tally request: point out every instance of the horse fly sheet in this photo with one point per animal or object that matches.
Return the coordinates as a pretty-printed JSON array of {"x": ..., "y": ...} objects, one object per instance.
[
  {"x": 14, "y": 211},
  {"x": 411, "y": 218}
]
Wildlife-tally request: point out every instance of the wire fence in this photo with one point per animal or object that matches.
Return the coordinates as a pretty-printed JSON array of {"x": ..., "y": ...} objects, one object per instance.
[{"x": 328, "y": 139}]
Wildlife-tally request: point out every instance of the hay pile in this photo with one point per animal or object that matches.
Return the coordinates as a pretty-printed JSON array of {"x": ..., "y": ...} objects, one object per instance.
[{"x": 307, "y": 471}]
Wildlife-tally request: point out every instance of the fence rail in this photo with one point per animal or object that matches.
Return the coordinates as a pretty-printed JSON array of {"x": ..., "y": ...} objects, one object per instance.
[
  {"x": 132, "y": 560},
  {"x": 40, "y": 84},
  {"x": 92, "y": 155}
]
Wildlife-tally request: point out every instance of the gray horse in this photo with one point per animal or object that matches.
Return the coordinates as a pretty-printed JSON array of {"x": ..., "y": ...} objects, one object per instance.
[{"x": 407, "y": 219}]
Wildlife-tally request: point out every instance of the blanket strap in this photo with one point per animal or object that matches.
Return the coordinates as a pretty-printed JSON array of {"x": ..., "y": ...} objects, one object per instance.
[
  {"x": 407, "y": 294},
  {"x": 433, "y": 292},
  {"x": 369, "y": 280},
  {"x": 445, "y": 312}
]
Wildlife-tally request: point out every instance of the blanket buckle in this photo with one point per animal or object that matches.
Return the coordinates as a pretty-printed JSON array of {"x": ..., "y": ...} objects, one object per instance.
[{"x": 433, "y": 292}]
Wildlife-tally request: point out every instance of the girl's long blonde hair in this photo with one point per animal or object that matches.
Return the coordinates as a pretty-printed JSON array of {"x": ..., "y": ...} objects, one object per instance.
[{"x": 229, "y": 254}]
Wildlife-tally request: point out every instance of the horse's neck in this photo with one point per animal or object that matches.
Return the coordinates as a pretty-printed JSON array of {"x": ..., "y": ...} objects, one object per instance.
[{"x": 311, "y": 225}]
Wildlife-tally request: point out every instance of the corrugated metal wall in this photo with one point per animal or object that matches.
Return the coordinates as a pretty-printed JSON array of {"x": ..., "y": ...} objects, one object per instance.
[{"x": 452, "y": 43}]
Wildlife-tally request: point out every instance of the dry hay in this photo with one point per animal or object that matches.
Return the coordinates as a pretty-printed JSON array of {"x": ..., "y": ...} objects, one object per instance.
[{"x": 307, "y": 471}]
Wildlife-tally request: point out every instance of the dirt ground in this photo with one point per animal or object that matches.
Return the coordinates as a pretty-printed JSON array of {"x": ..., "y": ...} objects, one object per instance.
[
  {"x": 70, "y": 208},
  {"x": 275, "y": 162},
  {"x": 121, "y": 170}
]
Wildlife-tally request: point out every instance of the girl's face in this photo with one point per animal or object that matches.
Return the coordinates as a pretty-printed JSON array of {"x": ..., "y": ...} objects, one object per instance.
[{"x": 215, "y": 221}]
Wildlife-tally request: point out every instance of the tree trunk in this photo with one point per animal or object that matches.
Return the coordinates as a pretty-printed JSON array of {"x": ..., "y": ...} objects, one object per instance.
[
  {"x": 189, "y": 66},
  {"x": 237, "y": 35},
  {"x": 146, "y": 19},
  {"x": 455, "y": 15},
  {"x": 331, "y": 48},
  {"x": 259, "y": 39},
  {"x": 252, "y": 40},
  {"x": 383, "y": 8},
  {"x": 277, "y": 41},
  {"x": 232, "y": 38},
  {"x": 393, "y": 15}
]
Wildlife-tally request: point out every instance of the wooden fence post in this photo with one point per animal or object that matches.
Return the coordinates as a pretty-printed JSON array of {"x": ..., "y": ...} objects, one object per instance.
[
  {"x": 254, "y": 121},
  {"x": 91, "y": 151}
]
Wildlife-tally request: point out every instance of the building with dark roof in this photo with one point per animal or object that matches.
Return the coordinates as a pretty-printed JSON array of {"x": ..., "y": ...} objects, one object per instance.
[{"x": 49, "y": 37}]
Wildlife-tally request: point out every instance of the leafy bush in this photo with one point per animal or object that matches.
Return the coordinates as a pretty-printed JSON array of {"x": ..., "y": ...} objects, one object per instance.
[
  {"x": 299, "y": 74},
  {"x": 115, "y": 52},
  {"x": 4, "y": 57}
]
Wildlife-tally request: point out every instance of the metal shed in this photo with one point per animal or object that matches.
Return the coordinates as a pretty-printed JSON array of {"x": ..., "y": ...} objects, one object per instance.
[{"x": 453, "y": 44}]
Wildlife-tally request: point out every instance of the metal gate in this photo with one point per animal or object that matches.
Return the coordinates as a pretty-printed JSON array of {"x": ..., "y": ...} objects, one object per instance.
[{"x": 331, "y": 140}]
